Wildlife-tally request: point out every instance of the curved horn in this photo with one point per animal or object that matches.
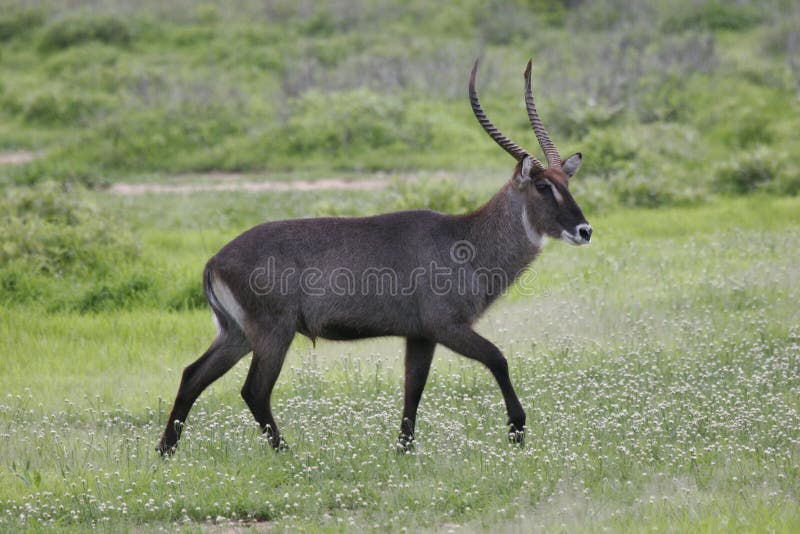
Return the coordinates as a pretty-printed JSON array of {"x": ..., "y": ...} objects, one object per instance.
[
  {"x": 550, "y": 151},
  {"x": 508, "y": 145}
]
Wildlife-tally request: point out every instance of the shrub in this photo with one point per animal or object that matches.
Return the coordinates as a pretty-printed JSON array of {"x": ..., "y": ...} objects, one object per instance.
[
  {"x": 82, "y": 29},
  {"x": 748, "y": 172},
  {"x": 55, "y": 167},
  {"x": 155, "y": 139},
  {"x": 714, "y": 15},
  {"x": 337, "y": 208},
  {"x": 787, "y": 182},
  {"x": 445, "y": 196},
  {"x": 748, "y": 129},
  {"x": 501, "y": 23},
  {"x": 59, "y": 109},
  {"x": 53, "y": 230},
  {"x": 608, "y": 151},
  {"x": 662, "y": 97},
  {"x": 579, "y": 120},
  {"x": 783, "y": 39},
  {"x": 321, "y": 23},
  {"x": 14, "y": 22},
  {"x": 648, "y": 191},
  {"x": 91, "y": 58},
  {"x": 188, "y": 296},
  {"x": 593, "y": 194},
  {"x": 601, "y": 15},
  {"x": 114, "y": 296},
  {"x": 348, "y": 122}
]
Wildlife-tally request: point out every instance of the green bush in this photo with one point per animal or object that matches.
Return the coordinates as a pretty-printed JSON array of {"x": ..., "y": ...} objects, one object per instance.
[
  {"x": 156, "y": 139},
  {"x": 54, "y": 230},
  {"x": 114, "y": 296},
  {"x": 54, "y": 168},
  {"x": 663, "y": 97},
  {"x": 593, "y": 194},
  {"x": 577, "y": 120},
  {"x": 748, "y": 172},
  {"x": 381, "y": 85},
  {"x": 783, "y": 39},
  {"x": 747, "y": 127},
  {"x": 714, "y": 15},
  {"x": 321, "y": 24},
  {"x": 18, "y": 22},
  {"x": 348, "y": 122},
  {"x": 600, "y": 15},
  {"x": 91, "y": 57},
  {"x": 607, "y": 151},
  {"x": 501, "y": 23},
  {"x": 645, "y": 190},
  {"x": 62, "y": 109},
  {"x": 85, "y": 28},
  {"x": 18, "y": 286},
  {"x": 192, "y": 36},
  {"x": 788, "y": 181},
  {"x": 188, "y": 296},
  {"x": 445, "y": 196},
  {"x": 442, "y": 195}
]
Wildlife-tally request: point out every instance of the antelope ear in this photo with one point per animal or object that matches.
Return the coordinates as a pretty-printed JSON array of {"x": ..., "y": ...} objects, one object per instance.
[
  {"x": 571, "y": 165},
  {"x": 523, "y": 178}
]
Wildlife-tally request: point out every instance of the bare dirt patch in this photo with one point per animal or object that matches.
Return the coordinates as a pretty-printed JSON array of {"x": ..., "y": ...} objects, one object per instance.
[
  {"x": 18, "y": 158},
  {"x": 231, "y": 183}
]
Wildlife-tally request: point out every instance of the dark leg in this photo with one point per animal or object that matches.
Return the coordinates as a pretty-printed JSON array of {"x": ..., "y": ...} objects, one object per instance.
[
  {"x": 268, "y": 355},
  {"x": 227, "y": 349},
  {"x": 467, "y": 342},
  {"x": 419, "y": 354}
]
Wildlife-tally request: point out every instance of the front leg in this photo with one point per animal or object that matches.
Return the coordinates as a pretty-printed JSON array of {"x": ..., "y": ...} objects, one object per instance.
[
  {"x": 467, "y": 342},
  {"x": 419, "y": 354}
]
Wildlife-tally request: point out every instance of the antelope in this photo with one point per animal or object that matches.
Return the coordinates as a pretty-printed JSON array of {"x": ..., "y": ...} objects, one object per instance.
[{"x": 326, "y": 278}]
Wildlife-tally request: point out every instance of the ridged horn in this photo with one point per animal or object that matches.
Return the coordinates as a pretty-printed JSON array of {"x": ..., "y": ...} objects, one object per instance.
[
  {"x": 550, "y": 151},
  {"x": 508, "y": 145}
]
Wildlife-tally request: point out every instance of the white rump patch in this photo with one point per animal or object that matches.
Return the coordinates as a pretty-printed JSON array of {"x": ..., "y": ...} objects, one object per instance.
[
  {"x": 227, "y": 301},
  {"x": 536, "y": 239}
]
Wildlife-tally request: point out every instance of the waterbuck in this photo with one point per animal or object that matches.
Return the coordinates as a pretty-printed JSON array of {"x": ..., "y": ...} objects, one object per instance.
[{"x": 422, "y": 275}]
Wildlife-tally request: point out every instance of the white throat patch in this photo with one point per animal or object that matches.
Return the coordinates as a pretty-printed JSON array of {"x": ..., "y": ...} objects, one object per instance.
[{"x": 536, "y": 239}]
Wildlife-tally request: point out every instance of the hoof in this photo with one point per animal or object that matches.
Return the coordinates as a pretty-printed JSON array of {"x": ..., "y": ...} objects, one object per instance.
[
  {"x": 405, "y": 444},
  {"x": 516, "y": 437},
  {"x": 165, "y": 450},
  {"x": 276, "y": 441}
]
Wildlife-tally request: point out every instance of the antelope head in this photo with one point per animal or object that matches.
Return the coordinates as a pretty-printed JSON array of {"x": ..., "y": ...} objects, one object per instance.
[{"x": 548, "y": 207}]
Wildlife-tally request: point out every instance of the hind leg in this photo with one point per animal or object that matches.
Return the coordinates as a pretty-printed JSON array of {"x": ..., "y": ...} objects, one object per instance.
[
  {"x": 269, "y": 351},
  {"x": 227, "y": 348}
]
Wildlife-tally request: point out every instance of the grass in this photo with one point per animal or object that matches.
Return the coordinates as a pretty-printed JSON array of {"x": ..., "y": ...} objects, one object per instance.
[
  {"x": 669, "y": 102},
  {"x": 658, "y": 368}
]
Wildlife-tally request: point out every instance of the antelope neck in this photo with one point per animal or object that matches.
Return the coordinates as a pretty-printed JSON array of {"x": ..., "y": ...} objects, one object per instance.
[{"x": 501, "y": 233}]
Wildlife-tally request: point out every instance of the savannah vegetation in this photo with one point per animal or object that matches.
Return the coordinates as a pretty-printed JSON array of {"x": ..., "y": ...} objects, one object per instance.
[{"x": 659, "y": 367}]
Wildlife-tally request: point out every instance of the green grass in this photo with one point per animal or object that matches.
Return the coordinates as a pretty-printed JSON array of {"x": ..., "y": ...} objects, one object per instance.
[
  {"x": 658, "y": 368},
  {"x": 670, "y": 102}
]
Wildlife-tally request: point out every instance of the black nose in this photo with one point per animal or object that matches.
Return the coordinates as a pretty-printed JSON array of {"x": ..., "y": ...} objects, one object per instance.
[{"x": 585, "y": 231}]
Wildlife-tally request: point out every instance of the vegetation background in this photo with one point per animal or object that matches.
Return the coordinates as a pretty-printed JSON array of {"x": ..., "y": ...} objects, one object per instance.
[{"x": 686, "y": 112}]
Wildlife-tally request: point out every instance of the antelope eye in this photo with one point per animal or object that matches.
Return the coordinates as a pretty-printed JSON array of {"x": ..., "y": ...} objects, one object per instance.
[{"x": 542, "y": 187}]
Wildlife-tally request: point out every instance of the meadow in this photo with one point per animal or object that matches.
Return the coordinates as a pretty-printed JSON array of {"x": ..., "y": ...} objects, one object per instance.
[{"x": 659, "y": 366}]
